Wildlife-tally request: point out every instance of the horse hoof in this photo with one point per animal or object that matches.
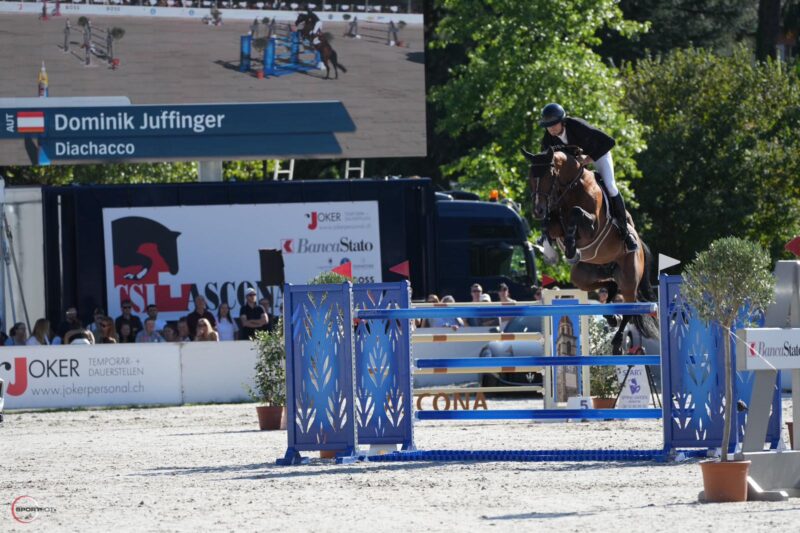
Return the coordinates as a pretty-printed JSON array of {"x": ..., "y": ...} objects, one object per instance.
[{"x": 575, "y": 258}]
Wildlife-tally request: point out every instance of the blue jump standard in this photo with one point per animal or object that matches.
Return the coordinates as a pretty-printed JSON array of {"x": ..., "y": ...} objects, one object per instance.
[
  {"x": 491, "y": 362},
  {"x": 539, "y": 414},
  {"x": 493, "y": 311}
]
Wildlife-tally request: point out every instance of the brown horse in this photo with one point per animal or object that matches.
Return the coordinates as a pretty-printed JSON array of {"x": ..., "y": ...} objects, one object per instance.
[
  {"x": 566, "y": 194},
  {"x": 321, "y": 43}
]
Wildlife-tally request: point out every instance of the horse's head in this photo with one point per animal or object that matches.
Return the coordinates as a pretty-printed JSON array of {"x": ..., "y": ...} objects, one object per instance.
[
  {"x": 551, "y": 174},
  {"x": 541, "y": 177}
]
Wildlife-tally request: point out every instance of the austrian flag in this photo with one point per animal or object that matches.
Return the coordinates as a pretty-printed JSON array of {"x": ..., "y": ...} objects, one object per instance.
[{"x": 30, "y": 122}]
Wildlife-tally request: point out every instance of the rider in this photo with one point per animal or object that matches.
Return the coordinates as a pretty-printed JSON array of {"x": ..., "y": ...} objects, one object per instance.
[
  {"x": 562, "y": 130},
  {"x": 313, "y": 20}
]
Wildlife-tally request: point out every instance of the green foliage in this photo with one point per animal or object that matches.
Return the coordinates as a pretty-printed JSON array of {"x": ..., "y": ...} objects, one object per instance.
[
  {"x": 128, "y": 173},
  {"x": 270, "y": 376},
  {"x": 520, "y": 56},
  {"x": 603, "y": 382},
  {"x": 723, "y": 153},
  {"x": 328, "y": 278},
  {"x": 732, "y": 273}
]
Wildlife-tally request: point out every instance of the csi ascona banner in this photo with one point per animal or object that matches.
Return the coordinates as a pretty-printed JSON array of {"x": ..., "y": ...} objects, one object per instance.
[{"x": 169, "y": 255}]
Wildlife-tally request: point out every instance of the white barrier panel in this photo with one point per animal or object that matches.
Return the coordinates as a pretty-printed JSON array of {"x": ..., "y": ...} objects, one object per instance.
[
  {"x": 768, "y": 349},
  {"x": 217, "y": 371},
  {"x": 84, "y": 376}
]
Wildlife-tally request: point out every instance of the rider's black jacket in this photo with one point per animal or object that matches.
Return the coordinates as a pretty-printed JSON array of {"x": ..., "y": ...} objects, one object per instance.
[{"x": 591, "y": 140}]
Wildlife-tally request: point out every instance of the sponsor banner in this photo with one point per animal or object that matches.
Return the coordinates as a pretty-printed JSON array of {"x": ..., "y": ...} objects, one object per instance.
[
  {"x": 636, "y": 392},
  {"x": 212, "y": 120},
  {"x": 169, "y": 255},
  {"x": 83, "y": 376},
  {"x": 768, "y": 348}
]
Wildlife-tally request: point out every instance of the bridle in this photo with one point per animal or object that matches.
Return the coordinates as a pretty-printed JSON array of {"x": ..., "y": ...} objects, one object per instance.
[{"x": 551, "y": 204}]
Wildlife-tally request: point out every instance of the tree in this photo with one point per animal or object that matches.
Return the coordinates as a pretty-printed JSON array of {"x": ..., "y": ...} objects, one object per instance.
[
  {"x": 520, "y": 56},
  {"x": 723, "y": 156},
  {"x": 721, "y": 281}
]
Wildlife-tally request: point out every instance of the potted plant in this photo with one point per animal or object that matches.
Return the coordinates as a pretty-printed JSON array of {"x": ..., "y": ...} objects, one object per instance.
[
  {"x": 270, "y": 378},
  {"x": 718, "y": 284}
]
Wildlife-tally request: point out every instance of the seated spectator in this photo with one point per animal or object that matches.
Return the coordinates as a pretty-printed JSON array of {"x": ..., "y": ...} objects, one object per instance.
[
  {"x": 183, "y": 330},
  {"x": 505, "y": 297},
  {"x": 152, "y": 312},
  {"x": 96, "y": 327},
  {"x": 476, "y": 291},
  {"x": 107, "y": 333},
  {"x": 426, "y": 322},
  {"x": 149, "y": 333},
  {"x": 17, "y": 335},
  {"x": 125, "y": 333},
  {"x": 169, "y": 333},
  {"x": 537, "y": 295},
  {"x": 226, "y": 325},
  {"x": 488, "y": 322},
  {"x": 451, "y": 322},
  {"x": 39, "y": 336},
  {"x": 200, "y": 311},
  {"x": 205, "y": 332},
  {"x": 252, "y": 317},
  {"x": 71, "y": 322},
  {"x": 602, "y": 295},
  {"x": 128, "y": 317},
  {"x": 79, "y": 336}
]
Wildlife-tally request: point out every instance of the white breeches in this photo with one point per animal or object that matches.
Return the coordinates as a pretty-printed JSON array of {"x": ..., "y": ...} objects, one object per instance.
[{"x": 605, "y": 167}]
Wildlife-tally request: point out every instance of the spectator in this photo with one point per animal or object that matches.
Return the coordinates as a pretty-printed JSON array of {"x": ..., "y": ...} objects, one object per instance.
[
  {"x": 107, "y": 333},
  {"x": 252, "y": 317},
  {"x": 447, "y": 322},
  {"x": 602, "y": 295},
  {"x": 71, "y": 322},
  {"x": 488, "y": 322},
  {"x": 149, "y": 333},
  {"x": 200, "y": 311},
  {"x": 476, "y": 291},
  {"x": 3, "y": 336},
  {"x": 183, "y": 330},
  {"x": 505, "y": 297},
  {"x": 17, "y": 335},
  {"x": 152, "y": 312},
  {"x": 205, "y": 332},
  {"x": 96, "y": 327},
  {"x": 41, "y": 329},
  {"x": 128, "y": 317},
  {"x": 226, "y": 326},
  {"x": 426, "y": 322},
  {"x": 169, "y": 333},
  {"x": 266, "y": 303},
  {"x": 125, "y": 333},
  {"x": 618, "y": 299},
  {"x": 79, "y": 336},
  {"x": 537, "y": 295}
]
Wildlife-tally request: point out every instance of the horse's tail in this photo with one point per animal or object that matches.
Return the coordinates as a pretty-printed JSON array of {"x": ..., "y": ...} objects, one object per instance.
[{"x": 647, "y": 324}]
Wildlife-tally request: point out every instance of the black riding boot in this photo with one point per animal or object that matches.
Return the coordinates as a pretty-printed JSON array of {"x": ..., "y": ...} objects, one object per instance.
[{"x": 620, "y": 218}]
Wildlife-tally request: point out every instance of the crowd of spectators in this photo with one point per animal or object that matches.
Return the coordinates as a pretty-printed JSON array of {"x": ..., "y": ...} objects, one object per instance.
[
  {"x": 364, "y": 6},
  {"x": 199, "y": 325}
]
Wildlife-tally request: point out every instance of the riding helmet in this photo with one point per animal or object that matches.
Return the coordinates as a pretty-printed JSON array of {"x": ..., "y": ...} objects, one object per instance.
[{"x": 552, "y": 114}]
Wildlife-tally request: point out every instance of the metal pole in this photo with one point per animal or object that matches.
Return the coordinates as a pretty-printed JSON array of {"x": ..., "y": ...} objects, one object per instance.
[{"x": 2, "y": 256}]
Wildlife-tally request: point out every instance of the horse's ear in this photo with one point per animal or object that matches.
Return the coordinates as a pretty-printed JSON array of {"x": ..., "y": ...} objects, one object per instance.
[{"x": 529, "y": 156}]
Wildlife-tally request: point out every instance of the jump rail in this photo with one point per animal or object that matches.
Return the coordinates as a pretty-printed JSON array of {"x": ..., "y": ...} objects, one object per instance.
[{"x": 508, "y": 311}]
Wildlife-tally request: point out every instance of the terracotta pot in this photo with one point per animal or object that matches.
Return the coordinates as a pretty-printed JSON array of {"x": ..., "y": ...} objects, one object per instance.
[
  {"x": 260, "y": 74},
  {"x": 603, "y": 403},
  {"x": 271, "y": 417},
  {"x": 790, "y": 425},
  {"x": 328, "y": 454},
  {"x": 725, "y": 482}
]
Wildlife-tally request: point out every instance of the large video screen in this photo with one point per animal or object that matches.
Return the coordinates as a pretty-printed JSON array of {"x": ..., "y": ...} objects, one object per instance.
[{"x": 361, "y": 61}]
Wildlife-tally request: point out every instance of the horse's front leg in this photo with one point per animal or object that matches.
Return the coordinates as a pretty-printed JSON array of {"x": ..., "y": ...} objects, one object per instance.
[{"x": 577, "y": 219}]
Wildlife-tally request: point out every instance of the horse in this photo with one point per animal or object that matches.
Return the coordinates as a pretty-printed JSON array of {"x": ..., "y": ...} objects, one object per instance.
[
  {"x": 320, "y": 42},
  {"x": 567, "y": 198}
]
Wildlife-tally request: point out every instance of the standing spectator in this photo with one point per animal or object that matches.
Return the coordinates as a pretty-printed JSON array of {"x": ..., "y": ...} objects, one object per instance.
[
  {"x": 252, "y": 317},
  {"x": 17, "y": 335},
  {"x": 266, "y": 303},
  {"x": 107, "y": 333},
  {"x": 125, "y": 333},
  {"x": 40, "y": 331},
  {"x": 505, "y": 297},
  {"x": 152, "y": 312},
  {"x": 96, "y": 327},
  {"x": 200, "y": 311},
  {"x": 149, "y": 333},
  {"x": 205, "y": 332},
  {"x": 183, "y": 330},
  {"x": 71, "y": 322},
  {"x": 476, "y": 291},
  {"x": 226, "y": 325},
  {"x": 128, "y": 317}
]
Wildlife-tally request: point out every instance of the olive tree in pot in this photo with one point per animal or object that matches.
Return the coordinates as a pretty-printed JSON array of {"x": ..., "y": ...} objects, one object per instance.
[
  {"x": 270, "y": 378},
  {"x": 731, "y": 274},
  {"x": 603, "y": 382}
]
